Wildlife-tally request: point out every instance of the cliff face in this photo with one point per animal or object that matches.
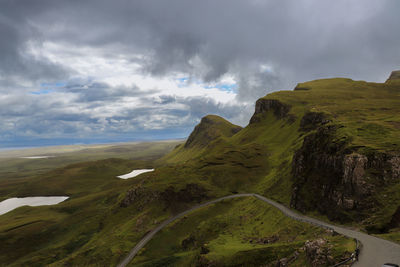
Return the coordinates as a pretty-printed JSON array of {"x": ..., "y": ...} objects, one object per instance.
[
  {"x": 279, "y": 109},
  {"x": 334, "y": 179},
  {"x": 394, "y": 76},
  {"x": 331, "y": 146}
]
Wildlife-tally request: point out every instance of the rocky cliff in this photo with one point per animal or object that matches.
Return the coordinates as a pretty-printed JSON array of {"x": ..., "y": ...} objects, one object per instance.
[
  {"x": 279, "y": 109},
  {"x": 332, "y": 177},
  {"x": 330, "y": 145}
]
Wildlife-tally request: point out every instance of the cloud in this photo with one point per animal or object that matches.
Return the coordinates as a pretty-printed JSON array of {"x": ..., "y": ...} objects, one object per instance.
[
  {"x": 99, "y": 111},
  {"x": 18, "y": 35},
  {"x": 208, "y": 37},
  {"x": 118, "y": 63}
]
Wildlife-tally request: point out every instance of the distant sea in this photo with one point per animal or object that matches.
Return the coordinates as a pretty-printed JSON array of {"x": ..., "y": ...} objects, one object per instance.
[
  {"x": 17, "y": 148},
  {"x": 99, "y": 142}
]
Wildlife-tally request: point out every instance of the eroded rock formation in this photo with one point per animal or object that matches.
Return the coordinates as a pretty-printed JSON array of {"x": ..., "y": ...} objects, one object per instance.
[
  {"x": 279, "y": 109},
  {"x": 335, "y": 179}
]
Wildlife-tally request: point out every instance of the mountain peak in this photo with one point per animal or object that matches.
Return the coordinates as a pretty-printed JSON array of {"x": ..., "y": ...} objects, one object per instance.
[
  {"x": 210, "y": 128},
  {"x": 395, "y": 75}
]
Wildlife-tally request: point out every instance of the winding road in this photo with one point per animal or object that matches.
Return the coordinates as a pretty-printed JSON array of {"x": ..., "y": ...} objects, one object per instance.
[{"x": 374, "y": 252}]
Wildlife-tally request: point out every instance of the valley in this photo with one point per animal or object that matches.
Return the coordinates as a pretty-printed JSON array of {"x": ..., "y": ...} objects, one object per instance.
[{"x": 328, "y": 150}]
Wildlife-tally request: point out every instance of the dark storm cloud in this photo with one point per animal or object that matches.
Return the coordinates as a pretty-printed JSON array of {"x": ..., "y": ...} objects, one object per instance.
[
  {"x": 198, "y": 107},
  {"x": 301, "y": 40},
  {"x": 264, "y": 45},
  {"x": 17, "y": 33}
]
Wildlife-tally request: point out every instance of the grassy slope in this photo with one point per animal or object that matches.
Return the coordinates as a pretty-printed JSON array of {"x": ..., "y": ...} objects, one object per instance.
[
  {"x": 247, "y": 161},
  {"x": 92, "y": 228},
  {"x": 91, "y": 223},
  {"x": 30, "y": 235},
  {"x": 15, "y": 171},
  {"x": 210, "y": 129},
  {"x": 230, "y": 230},
  {"x": 367, "y": 112}
]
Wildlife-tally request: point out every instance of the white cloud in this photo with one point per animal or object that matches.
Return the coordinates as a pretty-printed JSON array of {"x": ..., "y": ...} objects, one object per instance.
[{"x": 120, "y": 69}]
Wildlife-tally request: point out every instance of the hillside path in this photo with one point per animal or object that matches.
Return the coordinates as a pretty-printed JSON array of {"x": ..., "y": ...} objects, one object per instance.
[{"x": 374, "y": 251}]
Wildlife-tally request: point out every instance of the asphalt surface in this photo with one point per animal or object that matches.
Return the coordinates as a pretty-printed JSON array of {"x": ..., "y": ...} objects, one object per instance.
[{"x": 374, "y": 251}]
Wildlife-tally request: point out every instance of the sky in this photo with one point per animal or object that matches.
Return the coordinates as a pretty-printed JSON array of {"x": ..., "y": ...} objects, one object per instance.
[{"x": 99, "y": 71}]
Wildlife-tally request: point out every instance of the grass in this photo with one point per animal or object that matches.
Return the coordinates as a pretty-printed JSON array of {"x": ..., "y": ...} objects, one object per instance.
[
  {"x": 230, "y": 230},
  {"x": 91, "y": 228},
  {"x": 88, "y": 226},
  {"x": 259, "y": 157},
  {"x": 16, "y": 172}
]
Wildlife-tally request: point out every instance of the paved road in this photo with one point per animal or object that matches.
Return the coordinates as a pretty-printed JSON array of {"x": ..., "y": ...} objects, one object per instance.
[{"x": 374, "y": 251}]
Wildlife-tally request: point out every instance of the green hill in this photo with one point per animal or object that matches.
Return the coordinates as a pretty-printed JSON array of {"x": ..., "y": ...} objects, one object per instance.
[
  {"x": 330, "y": 146},
  {"x": 211, "y": 128}
]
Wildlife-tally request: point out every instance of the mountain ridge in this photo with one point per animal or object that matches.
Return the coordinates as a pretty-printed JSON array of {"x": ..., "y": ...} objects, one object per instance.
[{"x": 340, "y": 152}]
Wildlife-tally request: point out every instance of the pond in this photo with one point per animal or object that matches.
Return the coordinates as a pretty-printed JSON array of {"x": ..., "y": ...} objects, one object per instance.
[
  {"x": 37, "y": 157},
  {"x": 16, "y": 202},
  {"x": 134, "y": 173}
]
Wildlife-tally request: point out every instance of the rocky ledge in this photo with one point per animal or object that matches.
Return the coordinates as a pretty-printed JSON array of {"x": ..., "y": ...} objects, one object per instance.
[
  {"x": 333, "y": 178},
  {"x": 279, "y": 109}
]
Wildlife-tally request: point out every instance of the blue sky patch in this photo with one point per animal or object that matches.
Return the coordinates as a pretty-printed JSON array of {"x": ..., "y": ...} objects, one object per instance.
[
  {"x": 182, "y": 82},
  {"x": 183, "y": 79},
  {"x": 42, "y": 92},
  {"x": 228, "y": 87},
  {"x": 57, "y": 84}
]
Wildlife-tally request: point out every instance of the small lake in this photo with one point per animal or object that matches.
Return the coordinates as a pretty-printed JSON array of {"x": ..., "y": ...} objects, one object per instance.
[
  {"x": 37, "y": 157},
  {"x": 134, "y": 173},
  {"x": 16, "y": 202}
]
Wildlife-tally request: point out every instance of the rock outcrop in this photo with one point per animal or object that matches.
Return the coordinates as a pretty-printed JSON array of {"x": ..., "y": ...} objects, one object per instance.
[
  {"x": 284, "y": 262},
  {"x": 395, "y": 221},
  {"x": 140, "y": 196},
  {"x": 394, "y": 76},
  {"x": 279, "y": 109},
  {"x": 312, "y": 120},
  {"x": 318, "y": 253},
  {"x": 335, "y": 179},
  {"x": 263, "y": 240},
  {"x": 301, "y": 87},
  {"x": 191, "y": 193},
  {"x": 189, "y": 242}
]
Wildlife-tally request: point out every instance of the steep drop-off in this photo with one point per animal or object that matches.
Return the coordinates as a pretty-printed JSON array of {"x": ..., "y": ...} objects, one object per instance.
[{"x": 331, "y": 146}]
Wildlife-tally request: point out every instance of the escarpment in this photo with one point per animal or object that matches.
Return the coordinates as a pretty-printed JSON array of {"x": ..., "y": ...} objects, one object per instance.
[
  {"x": 330, "y": 146},
  {"x": 332, "y": 177},
  {"x": 279, "y": 109},
  {"x": 394, "y": 76}
]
